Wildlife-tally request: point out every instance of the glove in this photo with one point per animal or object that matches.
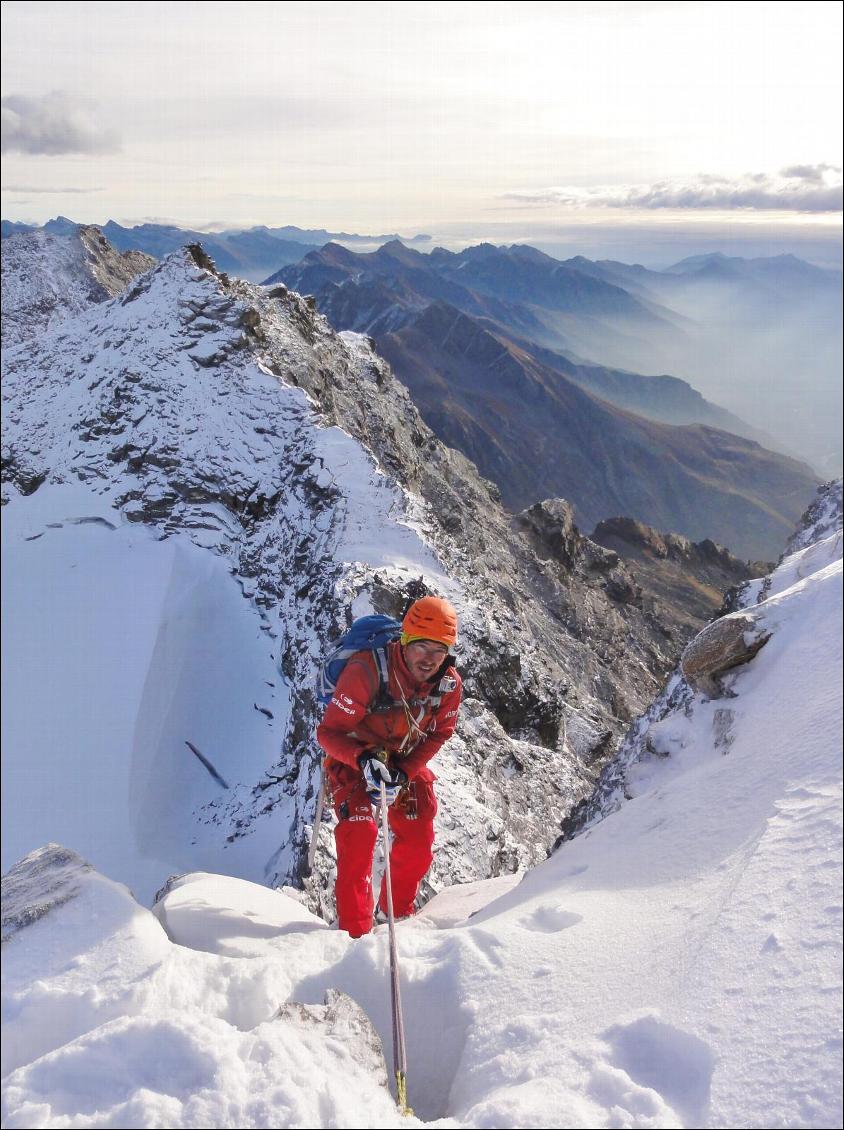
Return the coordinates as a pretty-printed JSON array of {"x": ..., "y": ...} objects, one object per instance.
[{"x": 375, "y": 772}]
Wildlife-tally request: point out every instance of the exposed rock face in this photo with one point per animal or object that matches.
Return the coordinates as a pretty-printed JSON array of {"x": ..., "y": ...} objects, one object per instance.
[
  {"x": 552, "y": 528},
  {"x": 711, "y": 657},
  {"x": 662, "y": 586},
  {"x": 207, "y": 408},
  {"x": 45, "y": 879},
  {"x": 48, "y": 277},
  {"x": 683, "y": 582}
]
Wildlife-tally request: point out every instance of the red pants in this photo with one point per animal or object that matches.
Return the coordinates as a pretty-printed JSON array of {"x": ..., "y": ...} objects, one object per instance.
[{"x": 356, "y": 832}]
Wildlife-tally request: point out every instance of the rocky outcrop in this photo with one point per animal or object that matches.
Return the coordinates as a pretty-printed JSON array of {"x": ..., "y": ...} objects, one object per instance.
[
  {"x": 714, "y": 656},
  {"x": 552, "y": 530},
  {"x": 47, "y": 278},
  {"x": 662, "y": 587},
  {"x": 721, "y": 646},
  {"x": 112, "y": 269},
  {"x": 683, "y": 583},
  {"x": 43, "y": 880}
]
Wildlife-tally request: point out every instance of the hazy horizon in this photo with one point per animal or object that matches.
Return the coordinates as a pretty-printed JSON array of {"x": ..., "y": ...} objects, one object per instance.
[
  {"x": 655, "y": 247},
  {"x": 571, "y": 123}
]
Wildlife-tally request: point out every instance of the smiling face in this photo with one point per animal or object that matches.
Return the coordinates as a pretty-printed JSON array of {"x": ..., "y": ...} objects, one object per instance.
[{"x": 424, "y": 658}]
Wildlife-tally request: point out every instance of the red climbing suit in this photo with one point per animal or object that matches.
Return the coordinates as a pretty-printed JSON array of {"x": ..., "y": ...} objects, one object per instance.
[{"x": 411, "y": 728}]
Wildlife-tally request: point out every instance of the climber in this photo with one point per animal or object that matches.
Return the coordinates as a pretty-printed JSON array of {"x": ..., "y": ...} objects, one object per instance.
[{"x": 373, "y": 733}]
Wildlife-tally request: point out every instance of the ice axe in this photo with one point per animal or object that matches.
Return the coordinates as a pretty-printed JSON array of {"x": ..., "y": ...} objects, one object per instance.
[{"x": 399, "y": 1049}]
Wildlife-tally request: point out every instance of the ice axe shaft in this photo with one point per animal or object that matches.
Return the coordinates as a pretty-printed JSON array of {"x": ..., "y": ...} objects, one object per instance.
[
  {"x": 399, "y": 1049},
  {"x": 312, "y": 847}
]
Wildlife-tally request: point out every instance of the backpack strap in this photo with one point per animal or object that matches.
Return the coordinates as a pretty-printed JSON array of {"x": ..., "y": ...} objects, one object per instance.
[
  {"x": 381, "y": 700},
  {"x": 380, "y": 655},
  {"x": 384, "y": 701}
]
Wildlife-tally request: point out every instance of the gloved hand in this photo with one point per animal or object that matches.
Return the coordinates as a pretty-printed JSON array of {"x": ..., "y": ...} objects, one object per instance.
[{"x": 375, "y": 771}]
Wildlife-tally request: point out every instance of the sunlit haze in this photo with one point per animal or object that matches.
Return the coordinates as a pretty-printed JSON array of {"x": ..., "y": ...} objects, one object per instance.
[{"x": 439, "y": 118}]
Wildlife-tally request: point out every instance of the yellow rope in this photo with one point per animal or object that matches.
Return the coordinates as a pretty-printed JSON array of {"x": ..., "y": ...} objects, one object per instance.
[{"x": 401, "y": 1095}]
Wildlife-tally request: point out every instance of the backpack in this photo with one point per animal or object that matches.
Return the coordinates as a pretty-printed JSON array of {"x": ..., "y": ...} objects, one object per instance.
[{"x": 367, "y": 633}]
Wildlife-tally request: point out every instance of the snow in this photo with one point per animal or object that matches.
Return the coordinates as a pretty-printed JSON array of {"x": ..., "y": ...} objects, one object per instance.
[
  {"x": 45, "y": 279},
  {"x": 125, "y": 647},
  {"x": 677, "y": 965}
]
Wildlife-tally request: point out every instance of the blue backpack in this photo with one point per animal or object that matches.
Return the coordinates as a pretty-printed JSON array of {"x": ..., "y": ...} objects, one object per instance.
[{"x": 367, "y": 633}]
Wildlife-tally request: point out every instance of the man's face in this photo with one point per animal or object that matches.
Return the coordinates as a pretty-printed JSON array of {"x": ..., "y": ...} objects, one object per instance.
[{"x": 424, "y": 658}]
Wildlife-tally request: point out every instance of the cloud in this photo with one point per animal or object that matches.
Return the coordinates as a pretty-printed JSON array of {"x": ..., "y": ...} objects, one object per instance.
[
  {"x": 52, "y": 124},
  {"x": 814, "y": 174},
  {"x": 799, "y": 188},
  {"x": 50, "y": 191}
]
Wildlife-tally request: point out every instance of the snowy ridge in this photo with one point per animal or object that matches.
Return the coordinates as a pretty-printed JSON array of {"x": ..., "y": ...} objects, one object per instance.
[
  {"x": 47, "y": 278},
  {"x": 823, "y": 516},
  {"x": 179, "y": 448},
  {"x": 677, "y": 965},
  {"x": 235, "y": 441}
]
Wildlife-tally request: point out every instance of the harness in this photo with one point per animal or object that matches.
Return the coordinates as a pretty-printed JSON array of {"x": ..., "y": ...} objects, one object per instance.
[{"x": 384, "y": 702}]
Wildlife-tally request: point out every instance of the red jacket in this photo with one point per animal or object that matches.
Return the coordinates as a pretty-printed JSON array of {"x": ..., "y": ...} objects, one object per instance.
[{"x": 348, "y": 727}]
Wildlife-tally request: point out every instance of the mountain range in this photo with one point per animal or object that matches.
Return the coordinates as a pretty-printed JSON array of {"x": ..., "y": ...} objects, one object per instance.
[
  {"x": 758, "y": 340},
  {"x": 250, "y": 253},
  {"x": 453, "y": 327},
  {"x": 764, "y": 338}
]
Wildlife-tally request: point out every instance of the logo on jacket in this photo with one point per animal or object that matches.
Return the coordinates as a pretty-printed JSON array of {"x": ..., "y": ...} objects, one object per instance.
[{"x": 336, "y": 702}]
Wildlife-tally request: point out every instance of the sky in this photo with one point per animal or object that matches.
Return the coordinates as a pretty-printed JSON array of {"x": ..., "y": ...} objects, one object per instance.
[{"x": 427, "y": 117}]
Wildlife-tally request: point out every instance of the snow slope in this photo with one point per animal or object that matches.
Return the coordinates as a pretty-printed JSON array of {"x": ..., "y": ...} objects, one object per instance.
[
  {"x": 117, "y": 662},
  {"x": 677, "y": 965}
]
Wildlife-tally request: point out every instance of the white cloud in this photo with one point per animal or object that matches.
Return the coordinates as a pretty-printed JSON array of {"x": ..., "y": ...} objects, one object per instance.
[
  {"x": 799, "y": 188},
  {"x": 54, "y": 123},
  {"x": 49, "y": 191}
]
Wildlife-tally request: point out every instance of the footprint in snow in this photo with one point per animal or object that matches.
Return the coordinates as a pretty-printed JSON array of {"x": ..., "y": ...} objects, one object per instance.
[
  {"x": 550, "y": 920},
  {"x": 660, "y": 1057}
]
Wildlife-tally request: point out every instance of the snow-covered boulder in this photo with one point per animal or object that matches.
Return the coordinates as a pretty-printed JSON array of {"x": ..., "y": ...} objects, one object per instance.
[{"x": 721, "y": 646}]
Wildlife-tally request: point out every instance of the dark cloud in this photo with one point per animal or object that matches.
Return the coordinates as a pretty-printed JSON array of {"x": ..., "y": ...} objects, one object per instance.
[
  {"x": 802, "y": 188},
  {"x": 53, "y": 124},
  {"x": 812, "y": 173}
]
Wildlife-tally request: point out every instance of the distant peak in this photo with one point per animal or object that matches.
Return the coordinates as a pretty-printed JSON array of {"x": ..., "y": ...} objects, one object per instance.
[{"x": 480, "y": 251}]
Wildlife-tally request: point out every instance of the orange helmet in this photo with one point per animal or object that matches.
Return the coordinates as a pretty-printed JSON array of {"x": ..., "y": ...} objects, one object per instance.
[{"x": 431, "y": 618}]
